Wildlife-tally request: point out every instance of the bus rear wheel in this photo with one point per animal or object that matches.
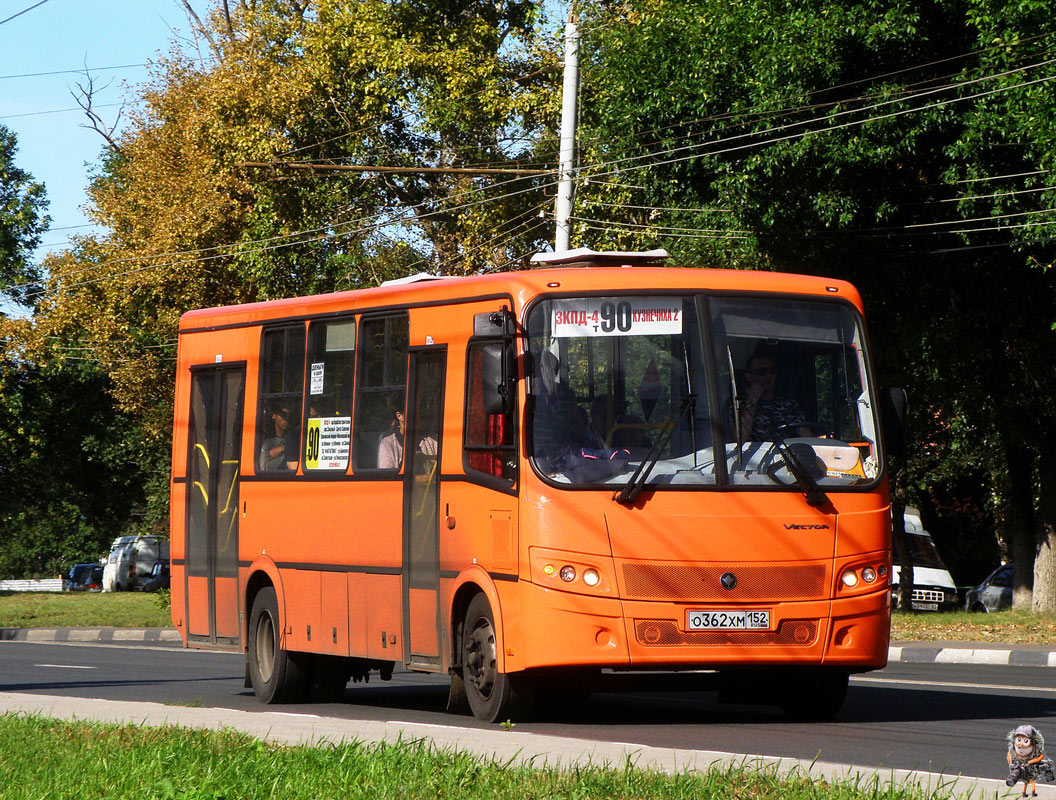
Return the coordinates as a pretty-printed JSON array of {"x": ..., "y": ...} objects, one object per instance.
[
  {"x": 493, "y": 696},
  {"x": 277, "y": 675}
]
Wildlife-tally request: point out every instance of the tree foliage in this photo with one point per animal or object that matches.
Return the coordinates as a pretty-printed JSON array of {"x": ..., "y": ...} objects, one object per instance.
[{"x": 22, "y": 221}]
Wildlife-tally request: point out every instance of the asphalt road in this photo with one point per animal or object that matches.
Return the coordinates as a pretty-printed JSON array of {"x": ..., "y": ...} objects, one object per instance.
[{"x": 944, "y": 718}]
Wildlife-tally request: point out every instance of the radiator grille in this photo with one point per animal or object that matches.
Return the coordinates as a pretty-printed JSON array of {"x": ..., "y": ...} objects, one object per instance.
[
  {"x": 692, "y": 582},
  {"x": 665, "y": 632},
  {"x": 928, "y": 596}
]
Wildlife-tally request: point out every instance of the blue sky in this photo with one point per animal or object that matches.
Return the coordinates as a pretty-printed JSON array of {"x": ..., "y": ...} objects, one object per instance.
[{"x": 63, "y": 36}]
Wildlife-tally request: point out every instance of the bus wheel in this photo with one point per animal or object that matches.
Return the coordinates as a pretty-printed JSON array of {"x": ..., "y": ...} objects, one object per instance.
[
  {"x": 277, "y": 675},
  {"x": 815, "y": 695},
  {"x": 493, "y": 696}
]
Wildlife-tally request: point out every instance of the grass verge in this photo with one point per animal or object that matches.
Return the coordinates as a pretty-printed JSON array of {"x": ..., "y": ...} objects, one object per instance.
[
  {"x": 41, "y": 757},
  {"x": 1007, "y": 627},
  {"x": 82, "y": 609}
]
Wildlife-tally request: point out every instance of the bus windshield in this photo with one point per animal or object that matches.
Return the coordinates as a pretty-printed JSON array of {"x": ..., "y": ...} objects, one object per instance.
[{"x": 618, "y": 380}]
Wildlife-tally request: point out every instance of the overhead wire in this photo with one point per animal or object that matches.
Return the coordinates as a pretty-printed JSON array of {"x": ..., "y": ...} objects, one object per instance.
[{"x": 287, "y": 240}]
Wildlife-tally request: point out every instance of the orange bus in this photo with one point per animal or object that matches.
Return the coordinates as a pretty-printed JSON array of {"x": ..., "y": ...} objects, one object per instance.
[{"x": 534, "y": 481}]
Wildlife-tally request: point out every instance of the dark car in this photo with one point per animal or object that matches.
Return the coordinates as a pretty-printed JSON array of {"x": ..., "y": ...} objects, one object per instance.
[
  {"x": 994, "y": 593},
  {"x": 159, "y": 577},
  {"x": 83, "y": 578}
]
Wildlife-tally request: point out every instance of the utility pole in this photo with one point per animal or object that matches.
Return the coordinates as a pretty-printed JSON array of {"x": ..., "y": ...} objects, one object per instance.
[{"x": 565, "y": 187}]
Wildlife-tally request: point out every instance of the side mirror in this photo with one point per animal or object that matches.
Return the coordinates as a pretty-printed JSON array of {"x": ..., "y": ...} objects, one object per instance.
[
  {"x": 498, "y": 370},
  {"x": 893, "y": 418}
]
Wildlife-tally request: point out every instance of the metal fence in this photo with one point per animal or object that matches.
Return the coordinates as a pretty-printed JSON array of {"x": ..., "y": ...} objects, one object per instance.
[{"x": 46, "y": 585}]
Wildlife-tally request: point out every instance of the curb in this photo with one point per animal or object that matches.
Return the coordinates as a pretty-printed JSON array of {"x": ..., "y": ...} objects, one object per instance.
[
  {"x": 95, "y": 635},
  {"x": 972, "y": 653}
]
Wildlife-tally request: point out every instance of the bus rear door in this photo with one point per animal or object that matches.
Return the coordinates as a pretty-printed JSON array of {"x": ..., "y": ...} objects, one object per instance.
[{"x": 215, "y": 441}]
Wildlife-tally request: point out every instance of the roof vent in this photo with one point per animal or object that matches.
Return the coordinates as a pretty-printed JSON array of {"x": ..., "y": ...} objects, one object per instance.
[
  {"x": 417, "y": 278},
  {"x": 585, "y": 257}
]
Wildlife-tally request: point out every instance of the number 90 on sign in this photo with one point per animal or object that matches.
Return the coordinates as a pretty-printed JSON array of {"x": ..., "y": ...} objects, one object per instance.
[{"x": 727, "y": 620}]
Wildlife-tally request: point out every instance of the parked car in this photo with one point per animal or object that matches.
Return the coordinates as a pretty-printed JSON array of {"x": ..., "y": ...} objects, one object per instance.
[
  {"x": 159, "y": 577},
  {"x": 83, "y": 578},
  {"x": 933, "y": 586},
  {"x": 994, "y": 593},
  {"x": 131, "y": 560}
]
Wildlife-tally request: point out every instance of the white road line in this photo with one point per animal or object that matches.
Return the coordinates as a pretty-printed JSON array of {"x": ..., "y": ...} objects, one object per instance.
[
  {"x": 954, "y": 684},
  {"x": 65, "y": 666}
]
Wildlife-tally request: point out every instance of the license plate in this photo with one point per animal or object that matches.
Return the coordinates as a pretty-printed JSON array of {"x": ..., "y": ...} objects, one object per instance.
[
  {"x": 924, "y": 606},
  {"x": 727, "y": 620}
]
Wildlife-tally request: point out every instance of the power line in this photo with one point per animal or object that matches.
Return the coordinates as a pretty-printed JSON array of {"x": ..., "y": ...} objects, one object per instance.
[
  {"x": 23, "y": 11},
  {"x": 57, "y": 111},
  {"x": 81, "y": 71}
]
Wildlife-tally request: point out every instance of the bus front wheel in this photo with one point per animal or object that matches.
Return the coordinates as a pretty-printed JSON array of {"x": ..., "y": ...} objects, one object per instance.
[
  {"x": 277, "y": 675},
  {"x": 493, "y": 696}
]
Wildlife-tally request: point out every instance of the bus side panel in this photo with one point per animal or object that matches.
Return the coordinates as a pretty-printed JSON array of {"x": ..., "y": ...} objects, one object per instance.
[
  {"x": 334, "y": 613},
  {"x": 176, "y": 554},
  {"x": 357, "y": 614},
  {"x": 382, "y": 604},
  {"x": 303, "y": 593}
]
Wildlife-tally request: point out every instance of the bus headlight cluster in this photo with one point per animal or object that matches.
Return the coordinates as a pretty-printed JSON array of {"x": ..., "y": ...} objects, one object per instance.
[
  {"x": 562, "y": 570},
  {"x": 853, "y": 577}
]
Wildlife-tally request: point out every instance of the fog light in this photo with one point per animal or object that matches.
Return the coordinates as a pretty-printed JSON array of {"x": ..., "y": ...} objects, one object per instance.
[
  {"x": 568, "y": 573},
  {"x": 868, "y": 574},
  {"x": 591, "y": 577},
  {"x": 850, "y": 579},
  {"x": 549, "y": 569},
  {"x": 883, "y": 571}
]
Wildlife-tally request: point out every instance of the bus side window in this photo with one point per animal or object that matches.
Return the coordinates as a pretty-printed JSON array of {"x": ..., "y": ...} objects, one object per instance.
[
  {"x": 381, "y": 392},
  {"x": 328, "y": 410},
  {"x": 281, "y": 392},
  {"x": 488, "y": 443}
]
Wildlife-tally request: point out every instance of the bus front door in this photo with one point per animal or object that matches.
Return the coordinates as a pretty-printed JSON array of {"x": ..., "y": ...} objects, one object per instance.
[
  {"x": 421, "y": 508},
  {"x": 211, "y": 558}
]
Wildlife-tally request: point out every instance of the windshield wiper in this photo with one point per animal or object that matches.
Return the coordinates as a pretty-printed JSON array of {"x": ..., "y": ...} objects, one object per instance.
[
  {"x": 634, "y": 485},
  {"x": 815, "y": 495}
]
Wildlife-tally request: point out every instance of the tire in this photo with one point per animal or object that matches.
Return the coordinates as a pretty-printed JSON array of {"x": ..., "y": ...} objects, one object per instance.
[
  {"x": 493, "y": 696},
  {"x": 277, "y": 675},
  {"x": 813, "y": 694}
]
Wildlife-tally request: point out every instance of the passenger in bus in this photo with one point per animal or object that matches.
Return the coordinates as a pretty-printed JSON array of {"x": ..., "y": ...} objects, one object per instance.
[
  {"x": 390, "y": 448},
  {"x": 762, "y": 412},
  {"x": 279, "y": 452}
]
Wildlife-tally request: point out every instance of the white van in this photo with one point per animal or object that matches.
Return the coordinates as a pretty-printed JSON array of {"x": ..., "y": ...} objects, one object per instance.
[
  {"x": 131, "y": 560},
  {"x": 933, "y": 586}
]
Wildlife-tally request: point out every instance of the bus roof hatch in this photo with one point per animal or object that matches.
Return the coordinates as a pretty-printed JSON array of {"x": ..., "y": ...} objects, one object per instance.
[{"x": 585, "y": 257}]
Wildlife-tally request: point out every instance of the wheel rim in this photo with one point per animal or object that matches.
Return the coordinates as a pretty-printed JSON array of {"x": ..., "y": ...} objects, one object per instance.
[
  {"x": 265, "y": 647},
  {"x": 481, "y": 659}
]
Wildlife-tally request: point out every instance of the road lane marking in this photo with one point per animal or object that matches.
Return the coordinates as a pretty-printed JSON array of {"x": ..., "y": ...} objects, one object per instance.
[
  {"x": 954, "y": 684},
  {"x": 65, "y": 666}
]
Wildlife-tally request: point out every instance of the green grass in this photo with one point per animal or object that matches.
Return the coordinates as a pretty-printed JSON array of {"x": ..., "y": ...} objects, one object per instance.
[
  {"x": 82, "y": 609},
  {"x": 1008, "y": 627},
  {"x": 53, "y": 759}
]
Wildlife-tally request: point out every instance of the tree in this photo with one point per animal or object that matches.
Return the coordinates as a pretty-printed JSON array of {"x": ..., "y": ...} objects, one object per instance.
[
  {"x": 886, "y": 143},
  {"x": 191, "y": 223},
  {"x": 22, "y": 221}
]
